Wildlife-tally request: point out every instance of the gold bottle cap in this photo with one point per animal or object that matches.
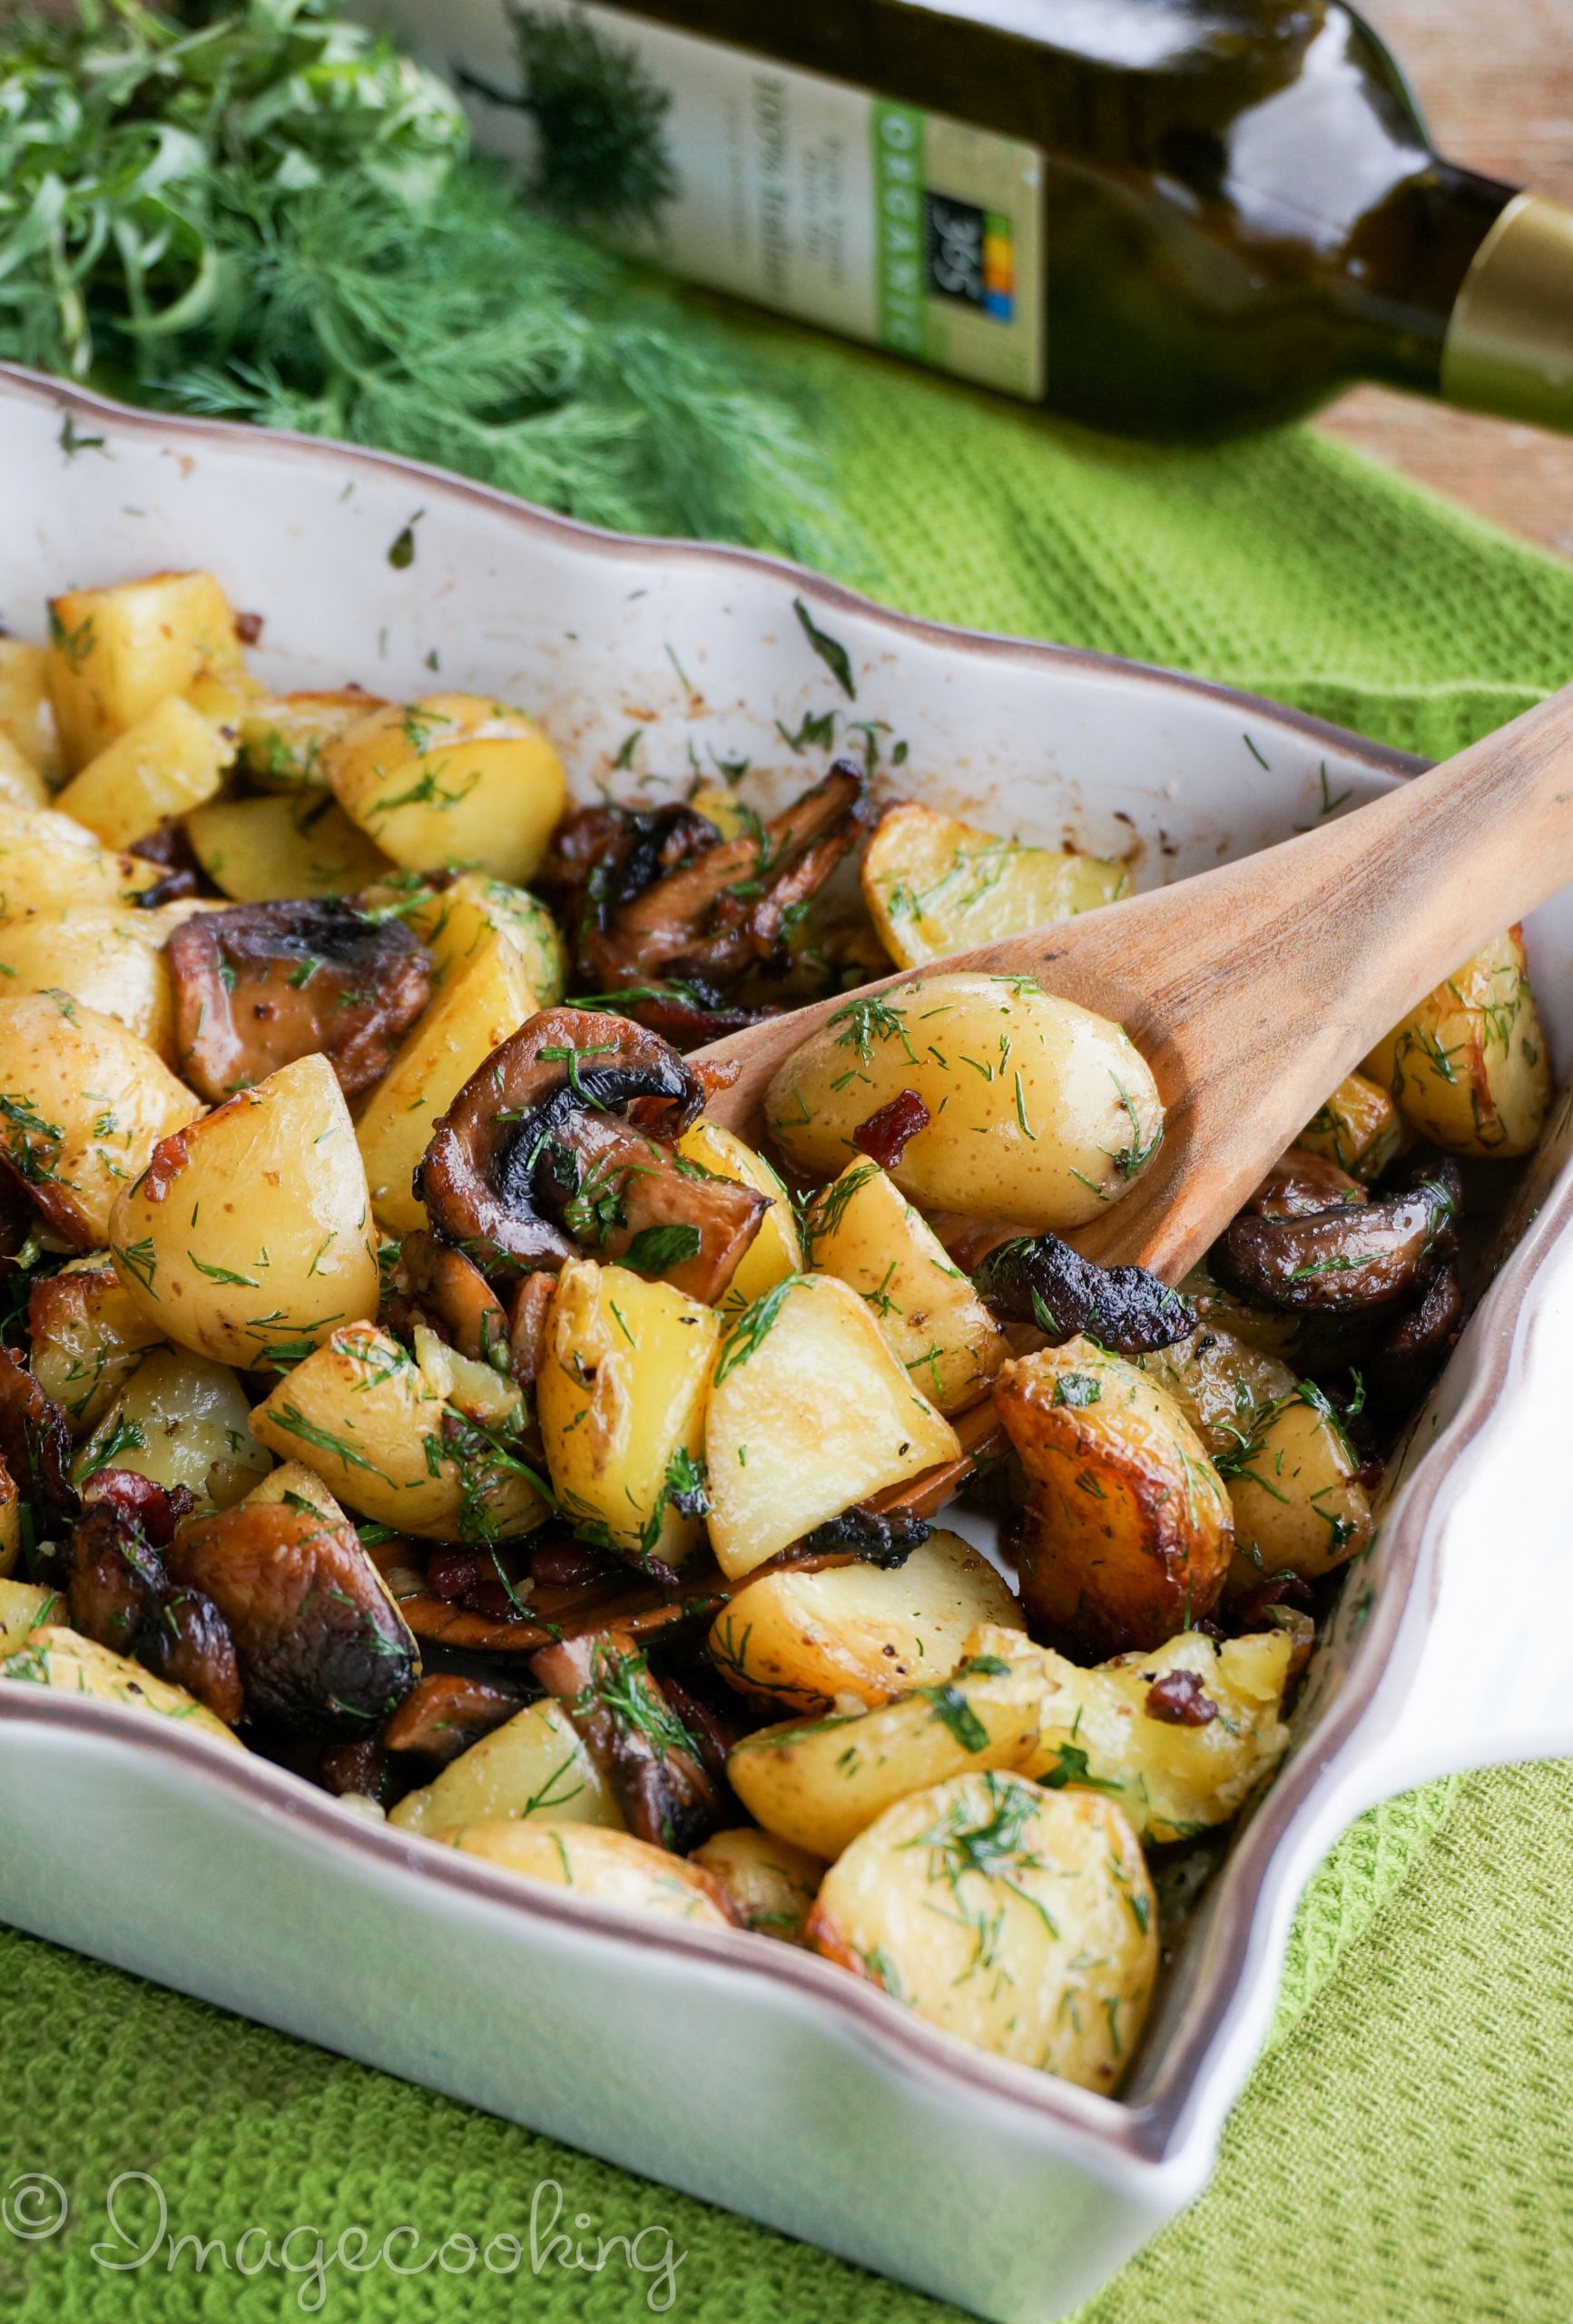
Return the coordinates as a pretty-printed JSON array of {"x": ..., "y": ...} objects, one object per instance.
[{"x": 1510, "y": 343}]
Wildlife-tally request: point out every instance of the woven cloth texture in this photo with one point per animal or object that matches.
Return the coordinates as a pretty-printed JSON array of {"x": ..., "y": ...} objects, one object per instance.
[{"x": 1402, "y": 2150}]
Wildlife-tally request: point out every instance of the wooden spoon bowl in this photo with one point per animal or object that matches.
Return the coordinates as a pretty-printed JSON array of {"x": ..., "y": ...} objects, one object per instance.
[{"x": 1253, "y": 990}]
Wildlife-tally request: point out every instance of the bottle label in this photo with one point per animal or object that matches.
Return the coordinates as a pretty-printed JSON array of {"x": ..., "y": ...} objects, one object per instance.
[{"x": 875, "y": 219}]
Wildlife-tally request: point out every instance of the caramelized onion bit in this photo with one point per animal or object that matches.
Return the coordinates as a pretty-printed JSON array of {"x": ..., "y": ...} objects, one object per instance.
[
  {"x": 885, "y": 1136},
  {"x": 260, "y": 985}
]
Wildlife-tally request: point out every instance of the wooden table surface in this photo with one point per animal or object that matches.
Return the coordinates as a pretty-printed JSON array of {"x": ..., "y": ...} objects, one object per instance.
[{"x": 1494, "y": 79}]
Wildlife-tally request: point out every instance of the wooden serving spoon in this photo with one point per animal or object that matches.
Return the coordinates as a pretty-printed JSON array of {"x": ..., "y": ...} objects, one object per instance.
[{"x": 1252, "y": 990}]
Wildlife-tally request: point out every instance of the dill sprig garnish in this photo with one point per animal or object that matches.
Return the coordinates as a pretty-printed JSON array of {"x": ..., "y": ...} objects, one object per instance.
[{"x": 276, "y": 217}]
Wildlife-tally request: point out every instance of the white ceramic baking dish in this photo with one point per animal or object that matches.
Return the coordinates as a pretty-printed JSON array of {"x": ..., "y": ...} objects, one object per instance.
[{"x": 728, "y": 2066}]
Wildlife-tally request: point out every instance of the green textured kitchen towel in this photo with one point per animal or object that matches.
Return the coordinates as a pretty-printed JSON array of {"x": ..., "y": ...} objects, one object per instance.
[{"x": 1402, "y": 2151}]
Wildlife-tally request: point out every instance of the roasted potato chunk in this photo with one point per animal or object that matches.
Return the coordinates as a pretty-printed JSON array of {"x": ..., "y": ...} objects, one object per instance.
[
  {"x": 181, "y": 1420},
  {"x": 819, "y": 1782},
  {"x": 84, "y": 1105},
  {"x": 171, "y": 760},
  {"x": 282, "y": 737},
  {"x": 273, "y": 851},
  {"x": 1020, "y": 1919},
  {"x": 59, "y": 1657},
  {"x": 48, "y": 862},
  {"x": 454, "y": 922},
  {"x": 1128, "y": 1529},
  {"x": 1358, "y": 1128},
  {"x": 26, "y": 712},
  {"x": 452, "y": 1041},
  {"x": 1181, "y": 1736},
  {"x": 863, "y": 1229},
  {"x": 109, "y": 959},
  {"x": 384, "y": 1440},
  {"x": 770, "y": 1886},
  {"x": 608, "y": 1867},
  {"x": 234, "y": 1248},
  {"x": 536, "y": 1765},
  {"x": 1470, "y": 1068},
  {"x": 1040, "y": 1113},
  {"x": 809, "y": 1412},
  {"x": 88, "y": 1336},
  {"x": 777, "y": 1249},
  {"x": 934, "y": 885},
  {"x": 456, "y": 779},
  {"x": 25, "y": 1607},
  {"x": 806, "y": 1639},
  {"x": 621, "y": 1398},
  {"x": 114, "y": 653}
]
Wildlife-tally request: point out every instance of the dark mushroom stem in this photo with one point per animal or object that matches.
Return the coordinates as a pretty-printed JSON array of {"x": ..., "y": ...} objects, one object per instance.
[
  {"x": 1037, "y": 1279},
  {"x": 1354, "y": 1255},
  {"x": 540, "y": 1159}
]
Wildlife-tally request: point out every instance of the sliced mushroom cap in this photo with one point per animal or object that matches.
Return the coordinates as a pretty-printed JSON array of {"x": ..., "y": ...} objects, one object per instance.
[
  {"x": 260, "y": 985},
  {"x": 121, "y": 1595},
  {"x": 1037, "y": 1279},
  {"x": 1354, "y": 1257},
  {"x": 1410, "y": 1354},
  {"x": 35, "y": 1444},
  {"x": 654, "y": 1764},
  {"x": 1301, "y": 1183},
  {"x": 448, "y": 1711},
  {"x": 537, "y": 1159},
  {"x": 434, "y": 1283},
  {"x": 322, "y": 1649},
  {"x": 713, "y": 909}
]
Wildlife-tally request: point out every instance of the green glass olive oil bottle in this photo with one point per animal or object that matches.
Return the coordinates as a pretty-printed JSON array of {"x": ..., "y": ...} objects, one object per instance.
[{"x": 1170, "y": 219}]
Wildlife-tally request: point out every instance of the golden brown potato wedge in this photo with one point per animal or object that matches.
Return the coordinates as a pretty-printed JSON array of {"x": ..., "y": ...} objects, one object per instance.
[
  {"x": 770, "y": 1886},
  {"x": 58, "y": 1657},
  {"x": 536, "y": 1765},
  {"x": 366, "y": 1417},
  {"x": 170, "y": 761},
  {"x": 1040, "y": 1114},
  {"x": 115, "y": 652},
  {"x": 454, "y": 922},
  {"x": 282, "y": 737},
  {"x": 1359, "y": 1127},
  {"x": 934, "y": 885},
  {"x": 250, "y": 1239},
  {"x": 259, "y": 851},
  {"x": 87, "y": 1335},
  {"x": 863, "y": 1229},
  {"x": 621, "y": 1398},
  {"x": 819, "y": 1782},
  {"x": 809, "y": 1412},
  {"x": 109, "y": 958},
  {"x": 806, "y": 1639},
  {"x": 607, "y": 1868},
  {"x": 26, "y": 712},
  {"x": 82, "y": 1104},
  {"x": 455, "y": 782},
  {"x": 1469, "y": 1069},
  {"x": 1128, "y": 1532},
  {"x": 1019, "y": 1919},
  {"x": 49, "y": 861},
  {"x": 25, "y": 1607}
]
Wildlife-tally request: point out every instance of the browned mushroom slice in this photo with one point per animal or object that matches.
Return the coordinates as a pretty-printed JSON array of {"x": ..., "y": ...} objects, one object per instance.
[
  {"x": 654, "y": 1764},
  {"x": 447, "y": 1712},
  {"x": 536, "y": 1160},
  {"x": 322, "y": 1649},
  {"x": 260, "y": 985},
  {"x": 119, "y": 1594},
  {"x": 1356, "y": 1256},
  {"x": 528, "y": 1309},
  {"x": 35, "y": 1444},
  {"x": 1301, "y": 1183},
  {"x": 435, "y": 1284},
  {"x": 1414, "y": 1347},
  {"x": 726, "y": 907}
]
